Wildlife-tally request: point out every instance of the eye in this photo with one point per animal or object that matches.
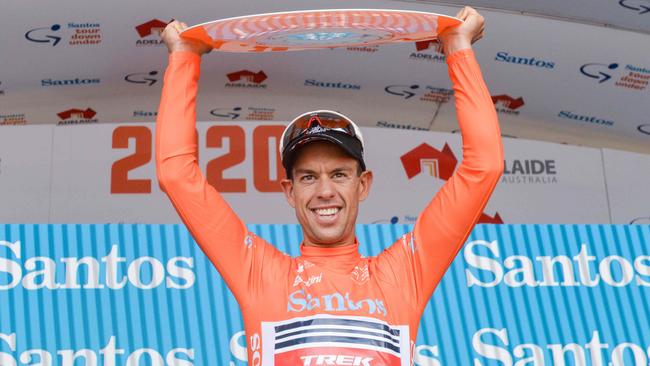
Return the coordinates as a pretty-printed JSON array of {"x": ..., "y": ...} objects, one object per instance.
[
  {"x": 307, "y": 178},
  {"x": 339, "y": 175}
]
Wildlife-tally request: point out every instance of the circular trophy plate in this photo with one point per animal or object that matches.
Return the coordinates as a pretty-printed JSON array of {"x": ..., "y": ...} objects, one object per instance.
[{"x": 314, "y": 29}]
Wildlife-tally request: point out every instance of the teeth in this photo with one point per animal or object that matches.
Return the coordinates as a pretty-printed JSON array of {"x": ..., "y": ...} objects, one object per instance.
[{"x": 327, "y": 211}]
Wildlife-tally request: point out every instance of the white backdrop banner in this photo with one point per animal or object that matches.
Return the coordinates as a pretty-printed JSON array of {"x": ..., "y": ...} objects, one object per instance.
[
  {"x": 106, "y": 173},
  {"x": 628, "y": 186}
]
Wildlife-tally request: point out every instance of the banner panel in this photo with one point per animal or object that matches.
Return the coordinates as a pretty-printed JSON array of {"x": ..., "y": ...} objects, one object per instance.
[
  {"x": 628, "y": 182},
  {"x": 106, "y": 173},
  {"x": 146, "y": 295}
]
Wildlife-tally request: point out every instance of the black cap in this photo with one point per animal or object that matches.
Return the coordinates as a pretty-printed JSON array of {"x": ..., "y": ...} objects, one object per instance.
[{"x": 349, "y": 144}]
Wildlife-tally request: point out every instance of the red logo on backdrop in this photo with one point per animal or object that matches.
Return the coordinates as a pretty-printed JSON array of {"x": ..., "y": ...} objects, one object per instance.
[
  {"x": 506, "y": 104},
  {"x": 507, "y": 101},
  {"x": 88, "y": 113},
  {"x": 150, "y": 27},
  {"x": 439, "y": 164},
  {"x": 487, "y": 219},
  {"x": 247, "y": 76},
  {"x": 423, "y": 45}
]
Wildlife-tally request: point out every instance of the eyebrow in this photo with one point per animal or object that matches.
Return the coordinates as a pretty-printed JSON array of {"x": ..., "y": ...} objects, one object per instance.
[{"x": 313, "y": 172}]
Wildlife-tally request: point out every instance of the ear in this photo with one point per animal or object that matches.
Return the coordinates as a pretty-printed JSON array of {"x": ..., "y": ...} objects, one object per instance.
[
  {"x": 365, "y": 182},
  {"x": 287, "y": 187}
]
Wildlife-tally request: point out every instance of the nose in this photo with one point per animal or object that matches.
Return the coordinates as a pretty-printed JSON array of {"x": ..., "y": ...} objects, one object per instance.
[{"x": 325, "y": 189}]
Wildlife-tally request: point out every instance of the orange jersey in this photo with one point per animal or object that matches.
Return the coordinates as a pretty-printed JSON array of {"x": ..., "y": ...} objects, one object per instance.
[{"x": 330, "y": 306}]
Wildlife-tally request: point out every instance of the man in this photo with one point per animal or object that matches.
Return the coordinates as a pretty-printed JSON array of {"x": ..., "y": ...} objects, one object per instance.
[{"x": 330, "y": 306}]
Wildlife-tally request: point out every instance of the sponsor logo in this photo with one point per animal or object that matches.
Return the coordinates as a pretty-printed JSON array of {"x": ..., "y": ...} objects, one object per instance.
[
  {"x": 436, "y": 163},
  {"x": 400, "y": 126},
  {"x": 506, "y": 104},
  {"x": 529, "y": 171},
  {"x": 503, "y": 56},
  {"x": 75, "y": 81},
  {"x": 428, "y": 51},
  {"x": 426, "y": 94},
  {"x": 364, "y": 49},
  {"x": 77, "y": 34},
  {"x": 149, "y": 33},
  {"x": 301, "y": 300},
  {"x": 487, "y": 268},
  {"x": 13, "y": 119},
  {"x": 249, "y": 113},
  {"x": 311, "y": 280},
  {"x": 77, "y": 116},
  {"x": 333, "y": 85},
  {"x": 111, "y": 352},
  {"x": 637, "y": 6},
  {"x": 487, "y": 219},
  {"x": 584, "y": 118},
  {"x": 112, "y": 271},
  {"x": 628, "y": 77},
  {"x": 360, "y": 274},
  {"x": 145, "y": 78},
  {"x": 144, "y": 114},
  {"x": 406, "y": 219},
  {"x": 246, "y": 79},
  {"x": 315, "y": 360},
  {"x": 645, "y": 128}
]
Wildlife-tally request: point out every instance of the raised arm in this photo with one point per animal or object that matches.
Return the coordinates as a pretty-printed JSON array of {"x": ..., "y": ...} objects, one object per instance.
[
  {"x": 221, "y": 235},
  {"x": 446, "y": 222}
]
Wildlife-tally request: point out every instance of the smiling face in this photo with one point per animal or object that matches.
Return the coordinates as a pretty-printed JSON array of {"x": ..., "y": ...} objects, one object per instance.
[{"x": 325, "y": 192}]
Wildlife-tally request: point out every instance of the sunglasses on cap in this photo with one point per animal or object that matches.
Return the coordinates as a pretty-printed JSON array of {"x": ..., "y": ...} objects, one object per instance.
[{"x": 318, "y": 122}]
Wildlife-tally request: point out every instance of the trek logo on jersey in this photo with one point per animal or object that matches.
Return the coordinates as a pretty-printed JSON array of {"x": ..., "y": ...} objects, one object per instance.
[
  {"x": 13, "y": 119},
  {"x": 301, "y": 300},
  {"x": 149, "y": 33},
  {"x": 506, "y": 104},
  {"x": 637, "y": 6},
  {"x": 426, "y": 94},
  {"x": 428, "y": 51},
  {"x": 316, "y": 360},
  {"x": 77, "y": 116},
  {"x": 76, "y": 34},
  {"x": 246, "y": 79},
  {"x": 630, "y": 77},
  {"x": 143, "y": 78},
  {"x": 424, "y": 158},
  {"x": 503, "y": 56}
]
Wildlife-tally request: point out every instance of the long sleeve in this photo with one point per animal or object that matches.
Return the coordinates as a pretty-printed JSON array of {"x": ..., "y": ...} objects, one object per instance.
[
  {"x": 221, "y": 235},
  {"x": 424, "y": 255}
]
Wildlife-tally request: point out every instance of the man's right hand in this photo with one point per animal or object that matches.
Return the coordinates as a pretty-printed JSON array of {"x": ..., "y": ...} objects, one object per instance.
[{"x": 171, "y": 37}]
